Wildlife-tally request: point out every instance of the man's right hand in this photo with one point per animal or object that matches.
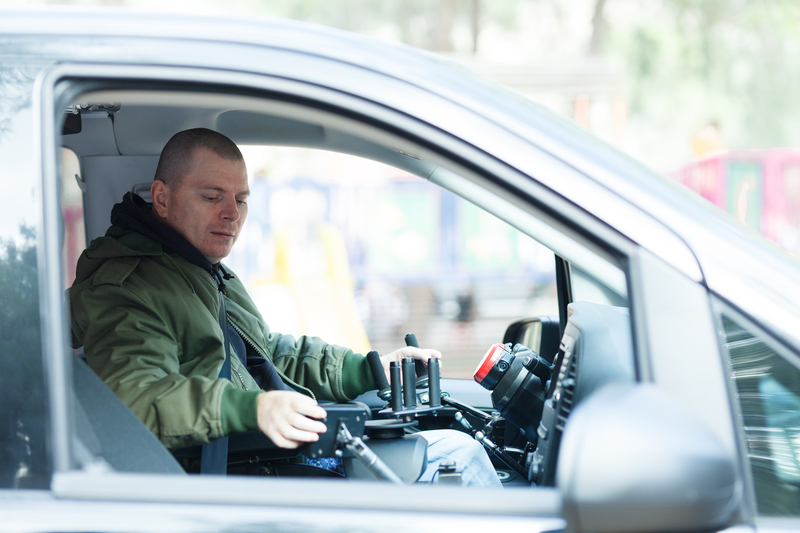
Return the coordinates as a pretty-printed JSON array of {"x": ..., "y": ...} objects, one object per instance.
[{"x": 287, "y": 418}]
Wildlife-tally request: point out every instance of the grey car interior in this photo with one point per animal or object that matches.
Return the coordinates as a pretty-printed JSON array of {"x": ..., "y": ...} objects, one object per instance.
[{"x": 119, "y": 149}]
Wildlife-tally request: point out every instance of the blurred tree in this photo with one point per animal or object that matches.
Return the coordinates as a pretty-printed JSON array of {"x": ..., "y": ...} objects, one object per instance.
[
  {"x": 14, "y": 82},
  {"x": 693, "y": 62},
  {"x": 428, "y": 24},
  {"x": 22, "y": 419},
  {"x": 688, "y": 63}
]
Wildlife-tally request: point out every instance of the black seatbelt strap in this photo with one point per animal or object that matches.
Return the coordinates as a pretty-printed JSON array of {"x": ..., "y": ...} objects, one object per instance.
[{"x": 214, "y": 459}]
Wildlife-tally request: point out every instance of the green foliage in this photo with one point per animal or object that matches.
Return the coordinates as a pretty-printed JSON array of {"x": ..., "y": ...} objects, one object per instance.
[
  {"x": 23, "y": 459},
  {"x": 19, "y": 292},
  {"x": 734, "y": 62},
  {"x": 423, "y": 23}
]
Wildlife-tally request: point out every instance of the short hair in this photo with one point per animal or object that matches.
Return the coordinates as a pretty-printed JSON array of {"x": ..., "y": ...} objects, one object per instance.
[{"x": 176, "y": 157}]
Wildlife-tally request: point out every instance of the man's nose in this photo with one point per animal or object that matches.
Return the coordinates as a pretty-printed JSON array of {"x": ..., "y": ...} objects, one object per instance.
[{"x": 230, "y": 210}]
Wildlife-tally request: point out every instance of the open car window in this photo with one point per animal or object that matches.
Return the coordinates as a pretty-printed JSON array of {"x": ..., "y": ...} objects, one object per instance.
[
  {"x": 358, "y": 233},
  {"x": 384, "y": 235}
]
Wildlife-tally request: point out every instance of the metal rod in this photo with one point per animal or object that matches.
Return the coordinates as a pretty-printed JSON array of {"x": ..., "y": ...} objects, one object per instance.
[
  {"x": 464, "y": 407},
  {"x": 500, "y": 454},
  {"x": 368, "y": 458}
]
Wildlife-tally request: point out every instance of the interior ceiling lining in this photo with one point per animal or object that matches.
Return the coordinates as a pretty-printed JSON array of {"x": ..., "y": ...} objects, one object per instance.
[{"x": 147, "y": 119}]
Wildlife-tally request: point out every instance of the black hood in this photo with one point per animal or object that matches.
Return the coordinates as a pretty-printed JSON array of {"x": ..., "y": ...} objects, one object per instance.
[{"x": 133, "y": 213}]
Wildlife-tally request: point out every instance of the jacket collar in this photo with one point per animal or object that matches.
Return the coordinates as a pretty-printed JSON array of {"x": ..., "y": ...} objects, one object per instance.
[{"x": 133, "y": 213}]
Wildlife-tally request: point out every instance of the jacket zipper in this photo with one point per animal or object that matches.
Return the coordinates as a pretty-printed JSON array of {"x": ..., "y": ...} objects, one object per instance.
[
  {"x": 238, "y": 375},
  {"x": 258, "y": 350},
  {"x": 262, "y": 354}
]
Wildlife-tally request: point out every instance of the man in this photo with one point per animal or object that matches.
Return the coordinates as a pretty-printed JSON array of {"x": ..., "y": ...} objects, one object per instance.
[{"x": 147, "y": 306}]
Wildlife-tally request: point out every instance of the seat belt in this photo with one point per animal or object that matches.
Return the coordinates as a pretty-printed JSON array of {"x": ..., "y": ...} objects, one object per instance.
[{"x": 214, "y": 459}]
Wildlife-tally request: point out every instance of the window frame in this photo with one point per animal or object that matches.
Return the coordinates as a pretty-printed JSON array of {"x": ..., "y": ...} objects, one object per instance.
[
  {"x": 479, "y": 171},
  {"x": 722, "y": 307},
  {"x": 19, "y": 86}
]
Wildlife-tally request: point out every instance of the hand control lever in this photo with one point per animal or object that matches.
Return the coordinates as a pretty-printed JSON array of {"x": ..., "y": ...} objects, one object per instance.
[
  {"x": 375, "y": 365},
  {"x": 409, "y": 392},
  {"x": 403, "y": 398},
  {"x": 419, "y": 366},
  {"x": 396, "y": 387}
]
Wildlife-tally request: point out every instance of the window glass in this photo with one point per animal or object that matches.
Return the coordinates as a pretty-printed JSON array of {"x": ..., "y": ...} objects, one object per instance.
[
  {"x": 768, "y": 392},
  {"x": 587, "y": 288},
  {"x": 23, "y": 458},
  {"x": 360, "y": 253}
]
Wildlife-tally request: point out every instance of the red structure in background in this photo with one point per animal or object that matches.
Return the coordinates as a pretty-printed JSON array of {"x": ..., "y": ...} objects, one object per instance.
[{"x": 760, "y": 187}]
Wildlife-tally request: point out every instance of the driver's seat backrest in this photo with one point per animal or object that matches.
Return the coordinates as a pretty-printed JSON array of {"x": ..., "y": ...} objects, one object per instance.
[{"x": 107, "y": 429}]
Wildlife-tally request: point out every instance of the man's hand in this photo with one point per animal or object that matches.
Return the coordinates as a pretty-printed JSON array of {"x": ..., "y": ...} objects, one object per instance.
[
  {"x": 283, "y": 416},
  {"x": 408, "y": 351}
]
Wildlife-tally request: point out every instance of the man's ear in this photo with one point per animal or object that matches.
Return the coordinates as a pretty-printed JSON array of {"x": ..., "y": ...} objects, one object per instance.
[{"x": 159, "y": 191}]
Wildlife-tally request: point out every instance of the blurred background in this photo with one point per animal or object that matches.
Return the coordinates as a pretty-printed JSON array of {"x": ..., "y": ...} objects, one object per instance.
[{"x": 704, "y": 91}]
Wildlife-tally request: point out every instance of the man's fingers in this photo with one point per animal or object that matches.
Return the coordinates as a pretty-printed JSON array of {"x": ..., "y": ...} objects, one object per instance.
[
  {"x": 300, "y": 436},
  {"x": 311, "y": 409},
  {"x": 410, "y": 351},
  {"x": 304, "y": 423},
  {"x": 282, "y": 442},
  {"x": 419, "y": 353},
  {"x": 416, "y": 353},
  {"x": 285, "y": 417},
  {"x": 296, "y": 430}
]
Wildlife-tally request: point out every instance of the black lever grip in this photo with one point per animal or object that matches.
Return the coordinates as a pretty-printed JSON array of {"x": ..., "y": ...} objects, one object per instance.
[
  {"x": 419, "y": 366},
  {"x": 409, "y": 388},
  {"x": 434, "y": 392},
  {"x": 375, "y": 365}
]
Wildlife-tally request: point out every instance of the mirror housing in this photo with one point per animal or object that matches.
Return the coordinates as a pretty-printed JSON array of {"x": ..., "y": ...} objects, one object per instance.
[
  {"x": 541, "y": 334},
  {"x": 634, "y": 460}
]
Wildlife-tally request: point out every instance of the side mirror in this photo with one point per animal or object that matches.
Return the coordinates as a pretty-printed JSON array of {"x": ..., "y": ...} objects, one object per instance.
[
  {"x": 541, "y": 334},
  {"x": 633, "y": 460}
]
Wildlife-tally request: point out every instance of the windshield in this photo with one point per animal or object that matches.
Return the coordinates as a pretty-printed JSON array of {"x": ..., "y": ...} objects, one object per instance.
[{"x": 360, "y": 253}]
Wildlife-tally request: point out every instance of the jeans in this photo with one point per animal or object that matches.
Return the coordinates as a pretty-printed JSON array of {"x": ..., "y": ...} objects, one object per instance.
[{"x": 469, "y": 455}]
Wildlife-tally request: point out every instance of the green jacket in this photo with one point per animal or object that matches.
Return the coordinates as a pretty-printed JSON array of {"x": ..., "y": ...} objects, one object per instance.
[{"x": 149, "y": 324}]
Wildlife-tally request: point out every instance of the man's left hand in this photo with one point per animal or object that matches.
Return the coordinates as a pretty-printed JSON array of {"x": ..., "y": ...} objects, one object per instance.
[{"x": 408, "y": 351}]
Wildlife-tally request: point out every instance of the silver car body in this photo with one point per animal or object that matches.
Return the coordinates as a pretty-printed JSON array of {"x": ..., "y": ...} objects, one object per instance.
[{"x": 591, "y": 204}]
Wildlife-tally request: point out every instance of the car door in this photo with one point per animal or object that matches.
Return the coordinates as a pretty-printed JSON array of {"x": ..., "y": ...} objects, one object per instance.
[
  {"x": 83, "y": 478},
  {"x": 420, "y": 124}
]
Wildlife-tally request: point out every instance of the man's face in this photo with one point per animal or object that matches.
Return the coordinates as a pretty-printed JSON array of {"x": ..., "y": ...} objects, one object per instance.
[{"x": 208, "y": 206}]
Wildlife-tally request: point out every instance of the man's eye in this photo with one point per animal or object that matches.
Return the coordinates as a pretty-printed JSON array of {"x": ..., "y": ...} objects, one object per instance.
[
  {"x": 241, "y": 202},
  {"x": 209, "y": 198}
]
